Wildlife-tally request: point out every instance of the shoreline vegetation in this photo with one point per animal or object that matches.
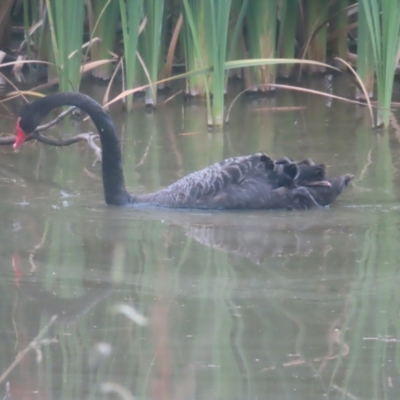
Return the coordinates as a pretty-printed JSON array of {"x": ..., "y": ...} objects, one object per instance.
[{"x": 147, "y": 44}]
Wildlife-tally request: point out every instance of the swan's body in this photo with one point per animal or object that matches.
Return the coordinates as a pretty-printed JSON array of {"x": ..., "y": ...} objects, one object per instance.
[{"x": 248, "y": 182}]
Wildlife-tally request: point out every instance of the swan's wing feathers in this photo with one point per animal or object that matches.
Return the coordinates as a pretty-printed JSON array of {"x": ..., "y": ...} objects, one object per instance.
[
  {"x": 257, "y": 194},
  {"x": 237, "y": 168},
  {"x": 310, "y": 173},
  {"x": 202, "y": 185},
  {"x": 252, "y": 193},
  {"x": 233, "y": 171}
]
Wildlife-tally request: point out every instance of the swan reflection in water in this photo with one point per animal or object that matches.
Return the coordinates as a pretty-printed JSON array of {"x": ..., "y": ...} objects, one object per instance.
[{"x": 277, "y": 298}]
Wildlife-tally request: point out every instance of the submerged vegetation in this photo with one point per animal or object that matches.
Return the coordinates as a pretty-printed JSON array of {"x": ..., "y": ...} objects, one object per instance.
[{"x": 212, "y": 40}]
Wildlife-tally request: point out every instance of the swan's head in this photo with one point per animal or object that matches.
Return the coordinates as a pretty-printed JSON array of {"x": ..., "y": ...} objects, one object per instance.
[{"x": 29, "y": 118}]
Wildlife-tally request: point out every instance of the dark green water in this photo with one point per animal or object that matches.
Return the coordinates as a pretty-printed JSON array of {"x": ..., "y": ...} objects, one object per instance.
[{"x": 249, "y": 305}]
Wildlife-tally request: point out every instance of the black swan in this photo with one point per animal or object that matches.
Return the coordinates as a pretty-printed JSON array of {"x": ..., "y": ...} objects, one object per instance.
[{"x": 247, "y": 182}]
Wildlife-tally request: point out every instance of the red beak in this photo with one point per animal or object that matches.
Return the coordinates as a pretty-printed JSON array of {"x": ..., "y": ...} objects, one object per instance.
[{"x": 20, "y": 137}]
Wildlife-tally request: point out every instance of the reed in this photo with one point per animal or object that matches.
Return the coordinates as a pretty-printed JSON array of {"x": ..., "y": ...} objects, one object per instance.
[
  {"x": 217, "y": 41},
  {"x": 260, "y": 42},
  {"x": 365, "y": 59},
  {"x": 103, "y": 19},
  {"x": 196, "y": 50},
  {"x": 316, "y": 13},
  {"x": 131, "y": 16},
  {"x": 383, "y": 22},
  {"x": 27, "y": 26},
  {"x": 338, "y": 28},
  {"x": 287, "y": 35},
  {"x": 207, "y": 29},
  {"x": 66, "y": 19},
  {"x": 150, "y": 45},
  {"x": 214, "y": 34},
  {"x": 5, "y": 22},
  {"x": 35, "y": 24},
  {"x": 235, "y": 37}
]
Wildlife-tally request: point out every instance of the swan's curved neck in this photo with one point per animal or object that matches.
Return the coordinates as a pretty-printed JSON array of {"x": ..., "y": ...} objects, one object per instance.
[{"x": 115, "y": 192}]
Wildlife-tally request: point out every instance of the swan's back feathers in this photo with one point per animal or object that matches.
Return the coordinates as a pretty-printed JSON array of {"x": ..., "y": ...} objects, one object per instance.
[
  {"x": 202, "y": 189},
  {"x": 247, "y": 182}
]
